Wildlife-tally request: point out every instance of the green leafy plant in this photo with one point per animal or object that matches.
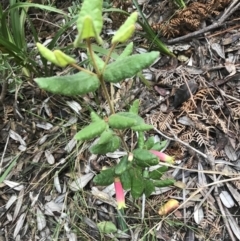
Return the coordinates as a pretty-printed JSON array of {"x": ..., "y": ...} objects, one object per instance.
[
  {"x": 13, "y": 41},
  {"x": 132, "y": 172}
]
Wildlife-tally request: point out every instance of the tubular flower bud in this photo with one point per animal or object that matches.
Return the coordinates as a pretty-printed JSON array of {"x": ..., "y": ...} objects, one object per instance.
[
  {"x": 163, "y": 157},
  {"x": 119, "y": 193}
]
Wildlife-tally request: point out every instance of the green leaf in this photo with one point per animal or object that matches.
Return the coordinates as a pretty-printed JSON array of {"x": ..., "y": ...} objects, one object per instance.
[
  {"x": 70, "y": 85},
  {"x": 135, "y": 106},
  {"x": 63, "y": 59},
  {"x": 149, "y": 188},
  {"x": 126, "y": 30},
  {"x": 149, "y": 143},
  {"x": 111, "y": 146},
  {"x": 140, "y": 143},
  {"x": 47, "y": 54},
  {"x": 137, "y": 182},
  {"x": 126, "y": 180},
  {"x": 95, "y": 117},
  {"x": 90, "y": 21},
  {"x": 106, "y": 227},
  {"x": 121, "y": 166},
  {"x": 157, "y": 173},
  {"x": 128, "y": 66},
  {"x": 133, "y": 116},
  {"x": 144, "y": 158},
  {"x": 142, "y": 127},
  {"x": 91, "y": 131},
  {"x": 118, "y": 121},
  {"x": 105, "y": 177},
  {"x": 164, "y": 183},
  {"x": 99, "y": 62},
  {"x": 126, "y": 52},
  {"x": 105, "y": 137},
  {"x": 159, "y": 145}
]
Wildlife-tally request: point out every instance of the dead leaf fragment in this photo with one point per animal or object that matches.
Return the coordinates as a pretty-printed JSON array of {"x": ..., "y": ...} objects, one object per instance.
[
  {"x": 19, "y": 224},
  {"x": 230, "y": 152},
  {"x": 81, "y": 182},
  {"x": 15, "y": 136},
  {"x": 218, "y": 49},
  {"x": 230, "y": 67},
  {"x": 226, "y": 199},
  {"x": 41, "y": 220},
  {"x": 15, "y": 185},
  {"x": 198, "y": 214},
  {"x": 50, "y": 158}
]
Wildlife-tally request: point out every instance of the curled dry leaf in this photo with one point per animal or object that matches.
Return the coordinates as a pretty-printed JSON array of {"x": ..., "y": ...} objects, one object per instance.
[
  {"x": 161, "y": 190},
  {"x": 45, "y": 126},
  {"x": 15, "y": 185},
  {"x": 15, "y": 136},
  {"x": 19, "y": 225},
  {"x": 50, "y": 158},
  {"x": 104, "y": 197},
  {"x": 81, "y": 182},
  {"x": 71, "y": 144},
  {"x": 11, "y": 200},
  {"x": 71, "y": 121},
  {"x": 33, "y": 198},
  {"x": 234, "y": 192},
  {"x": 47, "y": 108},
  {"x": 22, "y": 148},
  {"x": 57, "y": 183},
  {"x": 51, "y": 207},
  {"x": 218, "y": 49},
  {"x": 41, "y": 220},
  {"x": 74, "y": 106},
  {"x": 198, "y": 214},
  {"x": 116, "y": 154},
  {"x": 226, "y": 199},
  {"x": 72, "y": 237},
  {"x": 42, "y": 139},
  {"x": 37, "y": 157},
  {"x": 230, "y": 67},
  {"x": 233, "y": 224},
  {"x": 230, "y": 152},
  {"x": 18, "y": 204}
]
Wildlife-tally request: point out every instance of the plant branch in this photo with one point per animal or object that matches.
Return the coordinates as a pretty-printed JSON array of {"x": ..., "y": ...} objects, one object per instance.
[
  {"x": 82, "y": 69},
  {"x": 92, "y": 57}
]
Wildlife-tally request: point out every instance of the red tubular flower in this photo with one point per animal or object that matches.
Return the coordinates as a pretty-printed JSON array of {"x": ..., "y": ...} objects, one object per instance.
[
  {"x": 163, "y": 157},
  {"x": 119, "y": 193}
]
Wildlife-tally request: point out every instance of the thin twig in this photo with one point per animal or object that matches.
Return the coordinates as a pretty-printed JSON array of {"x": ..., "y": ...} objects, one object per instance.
[
  {"x": 229, "y": 11},
  {"x": 189, "y": 90},
  {"x": 229, "y": 96}
]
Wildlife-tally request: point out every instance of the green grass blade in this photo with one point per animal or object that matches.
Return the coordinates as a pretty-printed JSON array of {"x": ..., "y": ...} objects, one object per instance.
[{"x": 151, "y": 35}]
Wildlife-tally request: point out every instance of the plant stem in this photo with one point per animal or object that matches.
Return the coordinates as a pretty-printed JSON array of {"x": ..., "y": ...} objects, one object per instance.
[
  {"x": 103, "y": 84},
  {"x": 109, "y": 55},
  {"x": 121, "y": 220},
  {"x": 89, "y": 46},
  {"x": 82, "y": 69}
]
